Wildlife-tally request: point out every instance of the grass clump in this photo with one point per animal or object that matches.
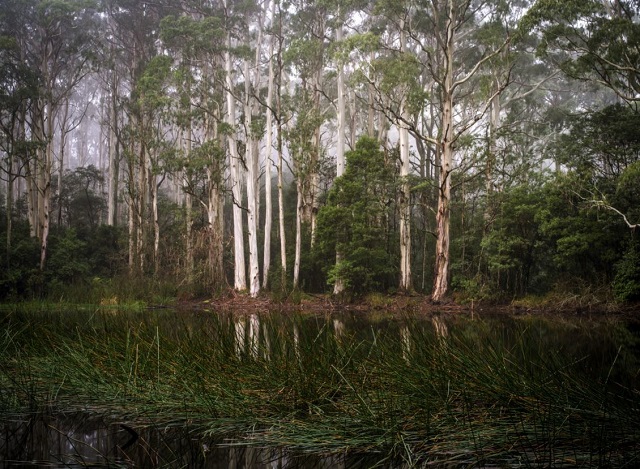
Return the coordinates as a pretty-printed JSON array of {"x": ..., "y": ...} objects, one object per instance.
[{"x": 409, "y": 392}]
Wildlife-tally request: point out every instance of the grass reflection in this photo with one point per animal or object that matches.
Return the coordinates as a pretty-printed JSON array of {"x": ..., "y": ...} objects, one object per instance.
[{"x": 412, "y": 391}]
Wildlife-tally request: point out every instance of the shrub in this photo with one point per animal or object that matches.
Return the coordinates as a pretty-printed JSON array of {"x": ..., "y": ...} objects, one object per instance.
[{"x": 626, "y": 284}]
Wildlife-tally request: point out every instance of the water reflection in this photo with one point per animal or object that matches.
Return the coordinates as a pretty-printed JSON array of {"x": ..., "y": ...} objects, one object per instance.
[
  {"x": 78, "y": 441},
  {"x": 384, "y": 383},
  {"x": 249, "y": 339}
]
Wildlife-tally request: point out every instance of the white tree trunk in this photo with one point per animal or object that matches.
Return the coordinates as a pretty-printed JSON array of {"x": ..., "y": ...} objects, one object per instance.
[
  {"x": 142, "y": 198},
  {"x": 113, "y": 163},
  {"x": 44, "y": 191},
  {"x": 188, "y": 203},
  {"x": 252, "y": 206},
  {"x": 215, "y": 205},
  {"x": 338, "y": 286},
  {"x": 61, "y": 151},
  {"x": 405, "y": 200},
  {"x": 156, "y": 225},
  {"x": 441, "y": 280},
  {"x": 268, "y": 213},
  {"x": 283, "y": 238},
  {"x": 298, "y": 248},
  {"x": 240, "y": 279}
]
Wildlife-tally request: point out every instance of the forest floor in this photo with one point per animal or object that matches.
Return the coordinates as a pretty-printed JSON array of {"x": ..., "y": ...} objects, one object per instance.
[{"x": 416, "y": 304}]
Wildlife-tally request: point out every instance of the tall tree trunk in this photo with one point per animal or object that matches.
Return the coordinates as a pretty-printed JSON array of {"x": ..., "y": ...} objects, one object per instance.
[
  {"x": 441, "y": 280},
  {"x": 405, "y": 190},
  {"x": 371, "y": 104},
  {"x": 240, "y": 279},
  {"x": 492, "y": 150},
  {"x": 268, "y": 213},
  {"x": 311, "y": 206},
  {"x": 252, "y": 82},
  {"x": 338, "y": 286},
  {"x": 101, "y": 149},
  {"x": 283, "y": 239},
  {"x": 112, "y": 192},
  {"x": 188, "y": 203},
  {"x": 216, "y": 224},
  {"x": 142, "y": 195},
  {"x": 131, "y": 198},
  {"x": 44, "y": 189},
  {"x": 63, "y": 144},
  {"x": 9, "y": 204},
  {"x": 153, "y": 186},
  {"x": 251, "y": 157},
  {"x": 298, "y": 247}
]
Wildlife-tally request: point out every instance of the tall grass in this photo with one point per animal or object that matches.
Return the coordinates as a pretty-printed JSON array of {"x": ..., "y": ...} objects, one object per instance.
[{"x": 410, "y": 392}]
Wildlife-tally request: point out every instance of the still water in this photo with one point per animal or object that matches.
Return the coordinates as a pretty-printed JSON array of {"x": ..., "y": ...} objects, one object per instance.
[
  {"x": 75, "y": 441},
  {"x": 450, "y": 368}
]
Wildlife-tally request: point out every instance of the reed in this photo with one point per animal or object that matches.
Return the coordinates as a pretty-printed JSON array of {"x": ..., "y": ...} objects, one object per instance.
[{"x": 409, "y": 392}]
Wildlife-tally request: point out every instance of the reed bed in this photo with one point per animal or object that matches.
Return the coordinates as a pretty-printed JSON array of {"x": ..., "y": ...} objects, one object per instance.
[{"x": 456, "y": 392}]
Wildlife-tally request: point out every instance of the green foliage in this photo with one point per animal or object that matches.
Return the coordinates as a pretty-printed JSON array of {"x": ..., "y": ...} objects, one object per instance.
[
  {"x": 510, "y": 248},
  {"x": 602, "y": 144},
  {"x": 582, "y": 243},
  {"x": 364, "y": 42},
  {"x": 67, "y": 260},
  {"x": 591, "y": 40},
  {"x": 627, "y": 193},
  {"x": 153, "y": 83},
  {"x": 192, "y": 36},
  {"x": 79, "y": 203},
  {"x": 626, "y": 285},
  {"x": 19, "y": 273},
  {"x": 353, "y": 222},
  {"x": 104, "y": 251},
  {"x": 305, "y": 55}
]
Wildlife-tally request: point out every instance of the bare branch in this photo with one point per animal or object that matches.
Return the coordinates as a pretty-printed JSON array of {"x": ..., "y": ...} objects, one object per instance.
[{"x": 603, "y": 204}]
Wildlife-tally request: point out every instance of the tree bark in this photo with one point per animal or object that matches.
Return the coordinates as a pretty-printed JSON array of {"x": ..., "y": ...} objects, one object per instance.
[
  {"x": 44, "y": 185},
  {"x": 251, "y": 158},
  {"x": 441, "y": 280},
  {"x": 112, "y": 199},
  {"x": 338, "y": 286},
  {"x": 298, "y": 248},
  {"x": 283, "y": 238},
  {"x": 268, "y": 213},
  {"x": 240, "y": 279},
  {"x": 405, "y": 190},
  {"x": 252, "y": 83}
]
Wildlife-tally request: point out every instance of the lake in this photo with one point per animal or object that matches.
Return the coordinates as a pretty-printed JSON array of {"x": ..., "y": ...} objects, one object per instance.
[{"x": 86, "y": 386}]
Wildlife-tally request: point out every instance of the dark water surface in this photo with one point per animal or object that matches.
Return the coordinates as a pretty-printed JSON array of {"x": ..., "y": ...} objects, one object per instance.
[
  {"x": 57, "y": 441},
  {"x": 605, "y": 351}
]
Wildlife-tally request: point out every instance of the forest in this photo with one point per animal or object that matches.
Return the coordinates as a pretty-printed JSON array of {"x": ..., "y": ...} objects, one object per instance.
[{"x": 475, "y": 150}]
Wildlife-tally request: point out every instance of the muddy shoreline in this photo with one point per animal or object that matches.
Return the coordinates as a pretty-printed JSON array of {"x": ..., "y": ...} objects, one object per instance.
[{"x": 412, "y": 304}]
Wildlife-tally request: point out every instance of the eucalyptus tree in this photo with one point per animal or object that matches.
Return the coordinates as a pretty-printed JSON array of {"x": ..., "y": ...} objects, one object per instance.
[
  {"x": 444, "y": 43},
  {"x": 342, "y": 11},
  {"x": 595, "y": 41},
  {"x": 253, "y": 129},
  {"x": 591, "y": 39},
  {"x": 301, "y": 149},
  {"x": 235, "y": 164},
  {"x": 278, "y": 34},
  {"x": 269, "y": 108},
  {"x": 133, "y": 34},
  {"x": 306, "y": 57},
  {"x": 155, "y": 103},
  {"x": 55, "y": 41},
  {"x": 18, "y": 89},
  {"x": 196, "y": 38}
]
